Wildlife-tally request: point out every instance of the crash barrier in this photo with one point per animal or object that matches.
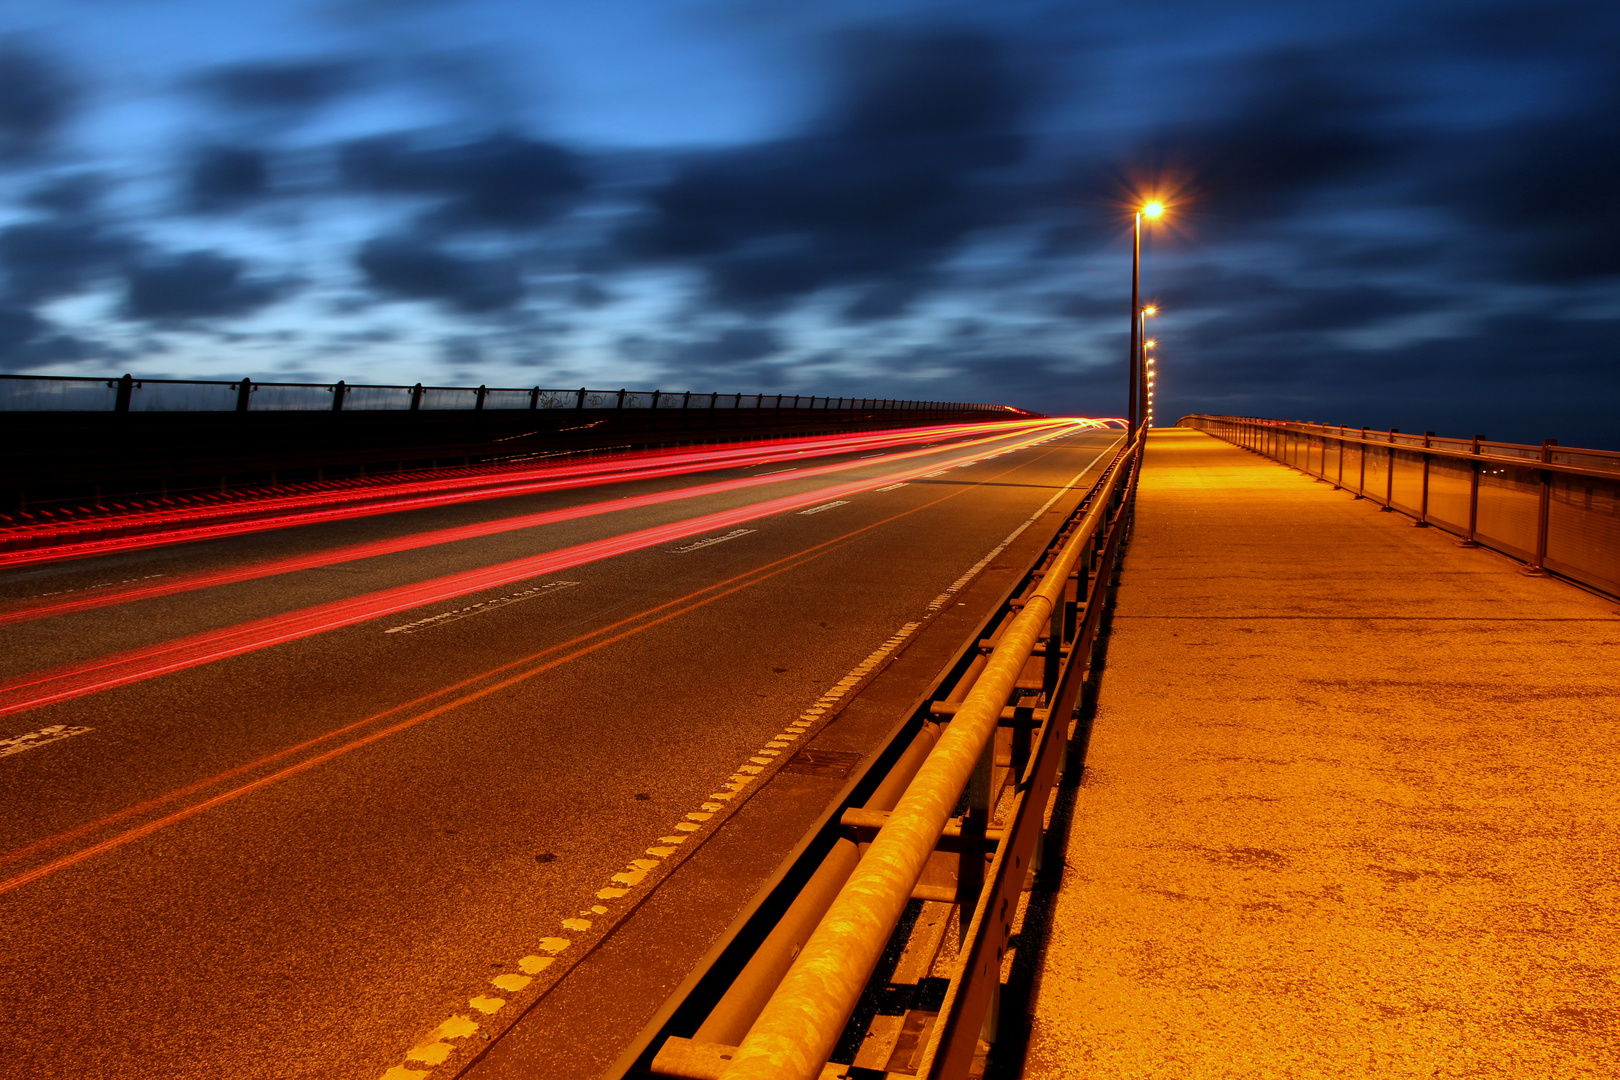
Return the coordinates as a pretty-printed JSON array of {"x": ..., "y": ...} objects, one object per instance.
[
  {"x": 1554, "y": 508},
  {"x": 939, "y": 836},
  {"x": 49, "y": 393}
]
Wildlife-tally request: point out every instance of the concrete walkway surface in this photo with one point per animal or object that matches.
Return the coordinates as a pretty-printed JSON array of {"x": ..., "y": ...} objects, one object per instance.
[{"x": 1352, "y": 802}]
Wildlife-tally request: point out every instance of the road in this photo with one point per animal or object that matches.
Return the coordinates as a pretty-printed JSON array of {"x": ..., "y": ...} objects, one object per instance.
[{"x": 309, "y": 816}]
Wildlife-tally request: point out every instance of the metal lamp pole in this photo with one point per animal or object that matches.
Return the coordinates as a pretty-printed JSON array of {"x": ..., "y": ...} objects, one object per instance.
[
  {"x": 1136, "y": 324},
  {"x": 1133, "y": 419}
]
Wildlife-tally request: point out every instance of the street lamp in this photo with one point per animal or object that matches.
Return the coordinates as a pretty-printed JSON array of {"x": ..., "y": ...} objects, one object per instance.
[
  {"x": 1150, "y": 210},
  {"x": 1152, "y": 374}
]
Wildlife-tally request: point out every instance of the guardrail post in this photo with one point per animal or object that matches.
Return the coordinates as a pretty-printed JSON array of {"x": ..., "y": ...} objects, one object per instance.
[
  {"x": 416, "y": 397},
  {"x": 534, "y": 399},
  {"x": 478, "y": 397},
  {"x": 1423, "y": 506},
  {"x": 970, "y": 870},
  {"x": 244, "y": 390},
  {"x": 126, "y": 390},
  {"x": 1473, "y": 496},
  {"x": 1389, "y": 476},
  {"x": 580, "y": 402},
  {"x": 1543, "y": 511},
  {"x": 1338, "y": 485},
  {"x": 656, "y": 395},
  {"x": 339, "y": 389},
  {"x": 622, "y": 392},
  {"x": 1361, "y": 459}
]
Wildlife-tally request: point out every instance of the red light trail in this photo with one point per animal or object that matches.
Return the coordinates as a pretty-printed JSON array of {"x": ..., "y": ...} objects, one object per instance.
[
  {"x": 29, "y": 611},
  {"x": 507, "y": 674},
  {"x": 165, "y": 527},
  {"x": 61, "y": 684}
]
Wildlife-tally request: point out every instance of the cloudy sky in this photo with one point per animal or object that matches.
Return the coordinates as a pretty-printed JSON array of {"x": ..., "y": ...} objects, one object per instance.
[{"x": 1382, "y": 213}]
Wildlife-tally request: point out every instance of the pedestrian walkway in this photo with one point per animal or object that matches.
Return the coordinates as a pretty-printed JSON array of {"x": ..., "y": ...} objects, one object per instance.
[{"x": 1351, "y": 806}]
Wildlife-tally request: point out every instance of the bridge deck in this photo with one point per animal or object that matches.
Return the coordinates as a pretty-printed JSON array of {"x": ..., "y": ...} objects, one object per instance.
[{"x": 1350, "y": 803}]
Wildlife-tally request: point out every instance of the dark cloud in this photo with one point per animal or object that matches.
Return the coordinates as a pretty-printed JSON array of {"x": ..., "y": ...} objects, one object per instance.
[
  {"x": 285, "y": 87},
  {"x": 226, "y": 177},
  {"x": 196, "y": 285},
  {"x": 36, "y": 99},
  {"x": 76, "y": 193},
  {"x": 1521, "y": 377},
  {"x": 415, "y": 268},
  {"x": 723, "y": 358},
  {"x": 888, "y": 184},
  {"x": 884, "y": 300},
  {"x": 740, "y": 345},
  {"x": 505, "y": 181},
  {"x": 58, "y": 257},
  {"x": 27, "y": 341},
  {"x": 1251, "y": 306},
  {"x": 1302, "y": 125},
  {"x": 1542, "y": 192},
  {"x": 18, "y": 326}
]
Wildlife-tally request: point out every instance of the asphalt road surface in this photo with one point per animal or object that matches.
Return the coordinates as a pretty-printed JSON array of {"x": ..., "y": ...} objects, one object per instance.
[{"x": 467, "y": 806}]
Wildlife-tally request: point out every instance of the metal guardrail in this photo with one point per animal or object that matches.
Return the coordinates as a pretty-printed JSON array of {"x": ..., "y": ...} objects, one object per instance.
[
  {"x": 1554, "y": 508},
  {"x": 992, "y": 735},
  {"x": 49, "y": 393}
]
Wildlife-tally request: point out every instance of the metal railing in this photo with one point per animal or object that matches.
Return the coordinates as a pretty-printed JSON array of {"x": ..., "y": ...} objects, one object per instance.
[
  {"x": 1552, "y": 507},
  {"x": 50, "y": 393},
  {"x": 992, "y": 735}
]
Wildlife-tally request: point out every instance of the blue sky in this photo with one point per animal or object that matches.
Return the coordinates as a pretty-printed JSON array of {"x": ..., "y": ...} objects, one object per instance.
[{"x": 1382, "y": 214}]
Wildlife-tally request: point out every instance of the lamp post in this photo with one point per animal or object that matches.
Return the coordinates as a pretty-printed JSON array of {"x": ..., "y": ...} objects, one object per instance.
[
  {"x": 1146, "y": 369},
  {"x": 1151, "y": 375},
  {"x": 1152, "y": 210}
]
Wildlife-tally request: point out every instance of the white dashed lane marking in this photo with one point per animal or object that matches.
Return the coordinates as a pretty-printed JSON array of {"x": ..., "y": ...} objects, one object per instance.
[
  {"x": 710, "y": 540},
  {"x": 480, "y": 607},
  {"x": 28, "y": 741},
  {"x": 945, "y": 597},
  {"x": 891, "y": 487},
  {"x": 93, "y": 588},
  {"x": 825, "y": 506}
]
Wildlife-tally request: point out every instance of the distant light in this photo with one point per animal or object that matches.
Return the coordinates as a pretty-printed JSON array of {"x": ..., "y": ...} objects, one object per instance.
[
  {"x": 1150, "y": 342},
  {"x": 1153, "y": 209}
]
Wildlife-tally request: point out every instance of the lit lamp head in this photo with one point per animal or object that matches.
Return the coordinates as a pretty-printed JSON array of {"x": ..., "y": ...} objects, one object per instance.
[{"x": 1153, "y": 209}]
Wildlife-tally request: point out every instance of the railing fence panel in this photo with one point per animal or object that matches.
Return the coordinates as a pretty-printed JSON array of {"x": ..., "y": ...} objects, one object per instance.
[
  {"x": 183, "y": 397},
  {"x": 1583, "y": 530},
  {"x": 290, "y": 397},
  {"x": 1407, "y": 492},
  {"x": 449, "y": 397},
  {"x": 58, "y": 395},
  {"x": 1449, "y": 482},
  {"x": 370, "y": 398},
  {"x": 507, "y": 399},
  {"x": 1509, "y": 504}
]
